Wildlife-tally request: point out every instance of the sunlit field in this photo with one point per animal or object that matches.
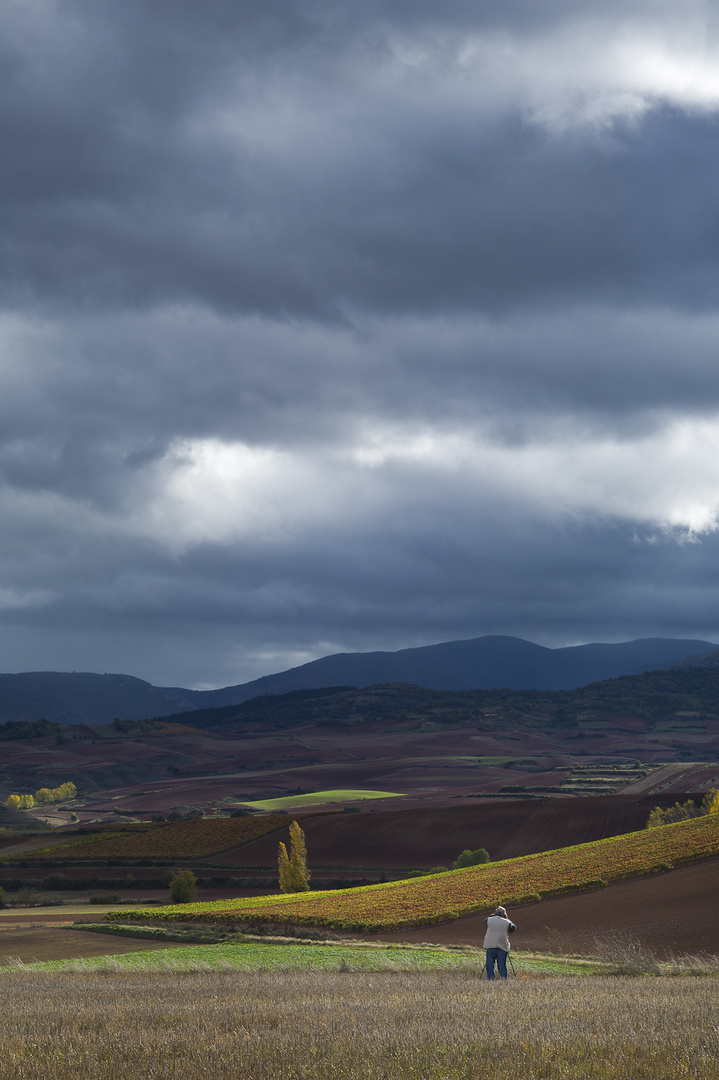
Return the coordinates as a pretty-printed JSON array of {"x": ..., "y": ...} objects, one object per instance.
[{"x": 317, "y": 1026}]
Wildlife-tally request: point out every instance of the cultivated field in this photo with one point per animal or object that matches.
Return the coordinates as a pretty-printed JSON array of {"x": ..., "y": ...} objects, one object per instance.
[
  {"x": 176, "y": 840},
  {"x": 442, "y": 897},
  {"x": 347, "y": 1026},
  {"x": 429, "y": 835}
]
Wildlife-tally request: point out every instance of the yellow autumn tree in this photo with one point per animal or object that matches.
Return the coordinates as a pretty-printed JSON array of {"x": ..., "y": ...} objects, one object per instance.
[
  {"x": 684, "y": 811},
  {"x": 64, "y": 792},
  {"x": 26, "y": 802},
  {"x": 293, "y": 870},
  {"x": 43, "y": 795},
  {"x": 13, "y": 801}
]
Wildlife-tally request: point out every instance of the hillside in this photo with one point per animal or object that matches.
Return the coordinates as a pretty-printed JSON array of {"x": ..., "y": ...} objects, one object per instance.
[
  {"x": 487, "y": 662},
  {"x": 444, "y": 897},
  {"x": 647, "y": 695},
  {"x": 490, "y": 662},
  {"x": 420, "y": 743}
]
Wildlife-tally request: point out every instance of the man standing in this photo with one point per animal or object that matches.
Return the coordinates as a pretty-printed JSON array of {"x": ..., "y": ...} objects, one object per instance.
[{"x": 496, "y": 941}]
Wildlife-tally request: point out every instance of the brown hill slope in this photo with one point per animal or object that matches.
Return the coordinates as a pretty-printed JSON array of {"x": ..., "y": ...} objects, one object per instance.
[{"x": 421, "y": 838}]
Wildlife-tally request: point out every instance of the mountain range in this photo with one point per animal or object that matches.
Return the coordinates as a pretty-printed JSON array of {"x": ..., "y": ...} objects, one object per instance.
[{"x": 492, "y": 662}]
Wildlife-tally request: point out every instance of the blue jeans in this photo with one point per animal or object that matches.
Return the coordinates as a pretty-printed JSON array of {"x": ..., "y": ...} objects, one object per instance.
[{"x": 500, "y": 955}]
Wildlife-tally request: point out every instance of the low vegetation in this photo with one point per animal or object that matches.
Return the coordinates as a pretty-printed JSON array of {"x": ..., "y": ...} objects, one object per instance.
[
  {"x": 341, "y": 1025},
  {"x": 442, "y": 897}
]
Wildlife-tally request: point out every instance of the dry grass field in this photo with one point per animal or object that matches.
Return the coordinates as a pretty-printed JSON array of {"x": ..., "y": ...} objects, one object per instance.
[{"x": 280, "y": 1026}]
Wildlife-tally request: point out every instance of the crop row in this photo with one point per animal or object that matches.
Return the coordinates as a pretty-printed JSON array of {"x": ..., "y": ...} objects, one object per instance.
[
  {"x": 178, "y": 839},
  {"x": 442, "y": 897}
]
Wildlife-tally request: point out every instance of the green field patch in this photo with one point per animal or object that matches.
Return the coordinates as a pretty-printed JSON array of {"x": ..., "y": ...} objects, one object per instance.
[
  {"x": 291, "y": 802},
  {"x": 437, "y": 898},
  {"x": 260, "y": 956}
]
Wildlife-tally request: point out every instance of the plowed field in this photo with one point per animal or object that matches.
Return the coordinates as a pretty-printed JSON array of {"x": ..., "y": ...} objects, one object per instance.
[
  {"x": 421, "y": 839},
  {"x": 441, "y": 897}
]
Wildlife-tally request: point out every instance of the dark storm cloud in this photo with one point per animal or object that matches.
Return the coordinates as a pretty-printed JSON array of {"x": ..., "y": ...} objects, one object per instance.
[
  {"x": 255, "y": 160},
  {"x": 328, "y": 325}
]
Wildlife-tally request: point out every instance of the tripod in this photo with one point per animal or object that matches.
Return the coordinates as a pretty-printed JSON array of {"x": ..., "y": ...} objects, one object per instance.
[{"x": 511, "y": 964}]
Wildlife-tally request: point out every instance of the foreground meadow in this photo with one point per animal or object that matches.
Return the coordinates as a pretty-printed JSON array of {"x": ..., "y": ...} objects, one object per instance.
[{"x": 317, "y": 1026}]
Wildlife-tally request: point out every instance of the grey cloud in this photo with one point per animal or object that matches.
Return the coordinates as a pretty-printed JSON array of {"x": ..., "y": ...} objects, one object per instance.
[
  {"x": 120, "y": 189},
  {"x": 303, "y": 229}
]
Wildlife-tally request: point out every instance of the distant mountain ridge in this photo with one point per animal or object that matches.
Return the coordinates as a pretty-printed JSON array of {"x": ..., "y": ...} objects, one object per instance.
[{"x": 491, "y": 663}]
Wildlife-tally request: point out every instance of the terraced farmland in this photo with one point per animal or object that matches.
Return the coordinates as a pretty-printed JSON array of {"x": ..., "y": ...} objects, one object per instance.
[{"x": 443, "y": 897}]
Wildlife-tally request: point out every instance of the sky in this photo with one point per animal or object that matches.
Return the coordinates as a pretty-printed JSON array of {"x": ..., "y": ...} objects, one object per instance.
[{"x": 333, "y": 326}]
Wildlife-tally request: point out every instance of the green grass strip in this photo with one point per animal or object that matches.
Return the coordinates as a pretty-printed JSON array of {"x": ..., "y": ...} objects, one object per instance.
[{"x": 326, "y": 957}]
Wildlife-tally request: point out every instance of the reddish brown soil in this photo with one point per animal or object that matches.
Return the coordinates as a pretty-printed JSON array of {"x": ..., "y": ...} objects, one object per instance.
[
  {"x": 673, "y": 913},
  {"x": 422, "y": 838}
]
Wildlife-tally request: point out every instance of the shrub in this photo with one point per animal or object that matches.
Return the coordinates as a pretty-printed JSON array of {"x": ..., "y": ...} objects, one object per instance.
[
  {"x": 105, "y": 898},
  {"x": 183, "y": 887},
  {"x": 471, "y": 858},
  {"x": 25, "y": 898}
]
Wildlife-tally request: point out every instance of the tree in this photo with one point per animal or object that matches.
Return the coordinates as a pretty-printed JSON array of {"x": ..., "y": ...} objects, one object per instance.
[
  {"x": 64, "y": 792},
  {"x": 43, "y": 795},
  {"x": 684, "y": 811},
  {"x": 13, "y": 802},
  {"x": 293, "y": 870},
  {"x": 471, "y": 858},
  {"x": 183, "y": 887},
  {"x": 26, "y": 802}
]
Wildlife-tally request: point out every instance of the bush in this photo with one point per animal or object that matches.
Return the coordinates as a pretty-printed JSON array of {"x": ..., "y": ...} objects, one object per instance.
[
  {"x": 105, "y": 898},
  {"x": 471, "y": 858},
  {"x": 183, "y": 887},
  {"x": 25, "y": 898}
]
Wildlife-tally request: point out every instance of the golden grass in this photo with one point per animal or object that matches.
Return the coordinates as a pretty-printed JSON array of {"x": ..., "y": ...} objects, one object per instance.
[{"x": 349, "y": 1026}]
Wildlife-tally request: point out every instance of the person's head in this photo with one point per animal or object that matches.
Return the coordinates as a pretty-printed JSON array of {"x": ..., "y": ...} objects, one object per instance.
[{"x": 501, "y": 911}]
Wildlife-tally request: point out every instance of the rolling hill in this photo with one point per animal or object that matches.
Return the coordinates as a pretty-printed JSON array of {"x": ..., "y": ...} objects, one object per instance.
[{"x": 482, "y": 663}]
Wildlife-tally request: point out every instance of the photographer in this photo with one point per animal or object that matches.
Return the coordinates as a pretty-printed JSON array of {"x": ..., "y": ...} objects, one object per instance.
[{"x": 496, "y": 941}]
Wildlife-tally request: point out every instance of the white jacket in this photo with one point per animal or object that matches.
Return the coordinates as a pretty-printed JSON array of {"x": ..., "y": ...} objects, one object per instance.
[{"x": 498, "y": 931}]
